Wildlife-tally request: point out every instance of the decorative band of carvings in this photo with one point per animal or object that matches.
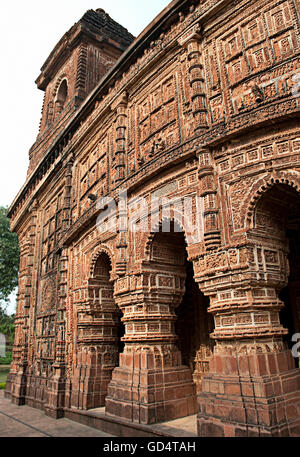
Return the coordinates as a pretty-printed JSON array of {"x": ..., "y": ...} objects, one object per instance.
[
  {"x": 81, "y": 70},
  {"x": 213, "y": 136}
]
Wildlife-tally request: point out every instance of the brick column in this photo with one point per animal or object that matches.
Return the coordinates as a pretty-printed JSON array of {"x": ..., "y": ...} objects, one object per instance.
[
  {"x": 97, "y": 348},
  {"x": 208, "y": 191},
  {"x": 122, "y": 237},
  {"x": 17, "y": 378},
  {"x": 252, "y": 388},
  {"x": 57, "y": 383},
  {"x": 191, "y": 41},
  {"x": 151, "y": 384},
  {"x": 120, "y": 108}
]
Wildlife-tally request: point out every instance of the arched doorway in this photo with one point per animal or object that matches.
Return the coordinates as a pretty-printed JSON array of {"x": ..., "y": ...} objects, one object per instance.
[
  {"x": 277, "y": 221},
  {"x": 152, "y": 384},
  {"x": 103, "y": 292},
  {"x": 251, "y": 362},
  {"x": 193, "y": 327},
  {"x": 194, "y": 324},
  {"x": 100, "y": 331}
]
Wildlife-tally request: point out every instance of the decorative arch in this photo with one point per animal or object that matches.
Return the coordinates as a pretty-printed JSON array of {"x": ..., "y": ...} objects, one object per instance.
[
  {"x": 193, "y": 324},
  {"x": 260, "y": 187},
  {"x": 99, "y": 251},
  {"x": 62, "y": 93},
  {"x": 176, "y": 219},
  {"x": 58, "y": 83},
  {"x": 276, "y": 231},
  {"x": 99, "y": 332}
]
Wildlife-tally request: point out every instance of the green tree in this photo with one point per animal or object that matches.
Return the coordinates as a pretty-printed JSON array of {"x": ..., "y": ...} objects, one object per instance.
[
  {"x": 7, "y": 325},
  {"x": 8, "y": 329},
  {"x": 9, "y": 257}
]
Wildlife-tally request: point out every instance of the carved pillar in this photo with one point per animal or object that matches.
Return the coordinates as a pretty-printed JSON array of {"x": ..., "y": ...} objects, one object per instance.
[
  {"x": 122, "y": 243},
  {"x": 57, "y": 383},
  {"x": 208, "y": 191},
  {"x": 97, "y": 341},
  {"x": 191, "y": 41},
  {"x": 17, "y": 379},
  {"x": 151, "y": 384},
  {"x": 81, "y": 75},
  {"x": 120, "y": 107},
  {"x": 67, "y": 196},
  {"x": 252, "y": 388}
]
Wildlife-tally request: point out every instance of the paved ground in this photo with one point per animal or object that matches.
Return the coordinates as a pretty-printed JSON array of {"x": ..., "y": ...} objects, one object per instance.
[
  {"x": 183, "y": 427},
  {"x": 24, "y": 421}
]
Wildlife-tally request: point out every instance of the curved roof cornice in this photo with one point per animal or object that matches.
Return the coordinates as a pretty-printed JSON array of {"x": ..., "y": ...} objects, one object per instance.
[{"x": 162, "y": 22}]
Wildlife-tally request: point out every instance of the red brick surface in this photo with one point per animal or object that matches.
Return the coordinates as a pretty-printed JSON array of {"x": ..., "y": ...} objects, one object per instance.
[{"x": 204, "y": 104}]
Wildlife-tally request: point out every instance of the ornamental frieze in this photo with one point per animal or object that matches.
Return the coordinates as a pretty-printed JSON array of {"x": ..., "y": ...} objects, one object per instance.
[
  {"x": 48, "y": 296},
  {"x": 159, "y": 272}
]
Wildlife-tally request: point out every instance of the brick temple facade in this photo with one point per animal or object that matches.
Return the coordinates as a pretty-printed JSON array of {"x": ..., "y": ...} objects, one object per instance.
[{"x": 161, "y": 311}]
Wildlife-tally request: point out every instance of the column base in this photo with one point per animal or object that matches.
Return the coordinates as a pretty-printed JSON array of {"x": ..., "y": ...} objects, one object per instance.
[
  {"x": 150, "y": 395},
  {"x": 91, "y": 377},
  {"x": 16, "y": 387},
  {"x": 89, "y": 392},
  {"x": 56, "y": 395},
  {"x": 259, "y": 403},
  {"x": 9, "y": 383},
  {"x": 37, "y": 390}
]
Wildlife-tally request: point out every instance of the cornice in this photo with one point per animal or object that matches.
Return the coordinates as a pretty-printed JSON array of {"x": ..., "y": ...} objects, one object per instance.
[
  {"x": 169, "y": 14},
  {"x": 117, "y": 78}
]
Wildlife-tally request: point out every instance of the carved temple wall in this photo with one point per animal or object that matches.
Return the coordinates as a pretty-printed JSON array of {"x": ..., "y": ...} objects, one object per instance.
[{"x": 154, "y": 325}]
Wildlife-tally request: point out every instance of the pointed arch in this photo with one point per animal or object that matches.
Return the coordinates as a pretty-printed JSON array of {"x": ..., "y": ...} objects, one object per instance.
[
  {"x": 62, "y": 93},
  {"x": 274, "y": 225},
  {"x": 176, "y": 219},
  {"x": 98, "y": 252},
  {"x": 260, "y": 187}
]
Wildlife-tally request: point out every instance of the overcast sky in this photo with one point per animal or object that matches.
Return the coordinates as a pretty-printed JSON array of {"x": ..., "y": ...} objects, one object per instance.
[{"x": 29, "y": 30}]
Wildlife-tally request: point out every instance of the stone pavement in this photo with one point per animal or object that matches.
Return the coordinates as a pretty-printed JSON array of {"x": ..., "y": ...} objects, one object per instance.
[{"x": 23, "y": 421}]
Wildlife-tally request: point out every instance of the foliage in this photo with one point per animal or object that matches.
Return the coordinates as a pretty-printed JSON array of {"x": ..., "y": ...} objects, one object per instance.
[
  {"x": 2, "y": 385},
  {"x": 9, "y": 265},
  {"x": 7, "y": 326},
  {"x": 8, "y": 329},
  {"x": 9, "y": 257},
  {"x": 4, "y": 372},
  {"x": 7, "y": 359}
]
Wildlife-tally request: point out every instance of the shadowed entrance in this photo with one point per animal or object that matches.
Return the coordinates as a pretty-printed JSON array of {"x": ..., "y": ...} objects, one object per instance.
[
  {"x": 280, "y": 206},
  {"x": 152, "y": 384},
  {"x": 99, "y": 339},
  {"x": 193, "y": 328}
]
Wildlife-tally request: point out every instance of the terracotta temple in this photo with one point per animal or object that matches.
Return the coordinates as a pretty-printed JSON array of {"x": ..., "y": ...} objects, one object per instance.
[{"x": 159, "y": 224}]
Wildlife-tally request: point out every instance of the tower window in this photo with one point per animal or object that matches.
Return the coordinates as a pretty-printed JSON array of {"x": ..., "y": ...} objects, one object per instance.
[{"x": 61, "y": 97}]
